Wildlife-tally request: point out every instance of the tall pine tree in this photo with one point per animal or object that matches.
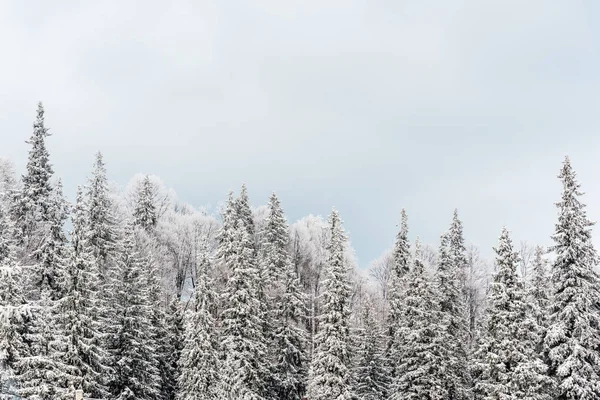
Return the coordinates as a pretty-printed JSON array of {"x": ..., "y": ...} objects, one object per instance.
[
  {"x": 199, "y": 363},
  {"x": 573, "y": 338},
  {"x": 330, "y": 375}
]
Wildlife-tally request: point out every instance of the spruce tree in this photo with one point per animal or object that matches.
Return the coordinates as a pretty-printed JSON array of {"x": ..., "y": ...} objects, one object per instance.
[
  {"x": 244, "y": 373},
  {"x": 419, "y": 374},
  {"x": 42, "y": 373},
  {"x": 145, "y": 213},
  {"x": 371, "y": 374},
  {"x": 507, "y": 365},
  {"x": 85, "y": 357},
  {"x": 285, "y": 307},
  {"x": 103, "y": 228},
  {"x": 244, "y": 212},
  {"x": 136, "y": 373},
  {"x": 330, "y": 375},
  {"x": 453, "y": 323},
  {"x": 400, "y": 268},
  {"x": 13, "y": 310},
  {"x": 573, "y": 338},
  {"x": 199, "y": 363},
  {"x": 30, "y": 203}
]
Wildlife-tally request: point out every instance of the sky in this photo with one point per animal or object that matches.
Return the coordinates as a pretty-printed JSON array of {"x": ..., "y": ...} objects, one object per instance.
[{"x": 369, "y": 106}]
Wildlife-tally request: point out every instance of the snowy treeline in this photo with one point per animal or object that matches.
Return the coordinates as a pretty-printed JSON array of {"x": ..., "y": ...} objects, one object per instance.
[{"x": 148, "y": 299}]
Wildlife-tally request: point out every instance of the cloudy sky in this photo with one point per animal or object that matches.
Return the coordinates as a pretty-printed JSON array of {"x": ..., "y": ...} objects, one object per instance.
[{"x": 368, "y": 106}]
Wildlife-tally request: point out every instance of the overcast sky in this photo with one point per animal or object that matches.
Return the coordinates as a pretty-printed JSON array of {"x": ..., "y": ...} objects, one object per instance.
[{"x": 368, "y": 106}]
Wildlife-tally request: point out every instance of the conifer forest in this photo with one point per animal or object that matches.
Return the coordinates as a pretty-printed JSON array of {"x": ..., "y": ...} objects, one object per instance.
[{"x": 131, "y": 295}]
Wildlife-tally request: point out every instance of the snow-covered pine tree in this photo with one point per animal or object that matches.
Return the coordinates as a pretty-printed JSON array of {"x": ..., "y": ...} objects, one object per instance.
[
  {"x": 506, "y": 363},
  {"x": 400, "y": 268},
  {"x": 42, "y": 373},
  {"x": 371, "y": 373},
  {"x": 12, "y": 310},
  {"x": 244, "y": 372},
  {"x": 103, "y": 228},
  {"x": 244, "y": 212},
  {"x": 29, "y": 206},
  {"x": 145, "y": 213},
  {"x": 453, "y": 324},
  {"x": 330, "y": 375},
  {"x": 420, "y": 371},
  {"x": 174, "y": 342},
  {"x": 539, "y": 295},
  {"x": 286, "y": 309},
  {"x": 85, "y": 357},
  {"x": 573, "y": 338},
  {"x": 199, "y": 362},
  {"x": 132, "y": 346}
]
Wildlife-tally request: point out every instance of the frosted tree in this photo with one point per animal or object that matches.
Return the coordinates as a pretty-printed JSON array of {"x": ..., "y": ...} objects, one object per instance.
[
  {"x": 42, "y": 373},
  {"x": 103, "y": 228},
  {"x": 13, "y": 310},
  {"x": 400, "y": 267},
  {"x": 145, "y": 213},
  {"x": 85, "y": 357},
  {"x": 506, "y": 364},
  {"x": 133, "y": 348},
  {"x": 419, "y": 373},
  {"x": 174, "y": 340},
  {"x": 286, "y": 309},
  {"x": 330, "y": 375},
  {"x": 199, "y": 363},
  {"x": 31, "y": 201},
  {"x": 371, "y": 374},
  {"x": 244, "y": 212},
  {"x": 573, "y": 339},
  {"x": 244, "y": 373},
  {"x": 539, "y": 293},
  {"x": 453, "y": 323}
]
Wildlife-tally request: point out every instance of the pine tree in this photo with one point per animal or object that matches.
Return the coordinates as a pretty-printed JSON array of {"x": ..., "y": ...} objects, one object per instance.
[
  {"x": 104, "y": 234},
  {"x": 145, "y": 213},
  {"x": 285, "y": 307},
  {"x": 453, "y": 323},
  {"x": 31, "y": 201},
  {"x": 243, "y": 343},
  {"x": 419, "y": 372},
  {"x": 539, "y": 295},
  {"x": 244, "y": 212},
  {"x": 371, "y": 374},
  {"x": 136, "y": 372},
  {"x": 199, "y": 363},
  {"x": 42, "y": 373},
  {"x": 400, "y": 269},
  {"x": 507, "y": 365},
  {"x": 173, "y": 343},
  {"x": 330, "y": 375},
  {"x": 573, "y": 339},
  {"x": 12, "y": 310},
  {"x": 85, "y": 357}
]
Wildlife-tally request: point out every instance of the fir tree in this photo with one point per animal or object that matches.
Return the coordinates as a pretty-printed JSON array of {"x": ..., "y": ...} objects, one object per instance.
[
  {"x": 330, "y": 375},
  {"x": 371, "y": 374},
  {"x": 103, "y": 229},
  {"x": 243, "y": 343},
  {"x": 573, "y": 338},
  {"x": 286, "y": 309},
  {"x": 31, "y": 201},
  {"x": 452, "y": 323},
  {"x": 199, "y": 363},
  {"x": 400, "y": 269},
  {"x": 507, "y": 365},
  {"x": 84, "y": 357},
  {"x": 12, "y": 310},
  {"x": 419, "y": 372},
  {"x": 133, "y": 348},
  {"x": 145, "y": 213},
  {"x": 244, "y": 212}
]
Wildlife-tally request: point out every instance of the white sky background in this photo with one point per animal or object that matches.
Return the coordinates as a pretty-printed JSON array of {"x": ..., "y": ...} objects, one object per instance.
[{"x": 370, "y": 105}]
